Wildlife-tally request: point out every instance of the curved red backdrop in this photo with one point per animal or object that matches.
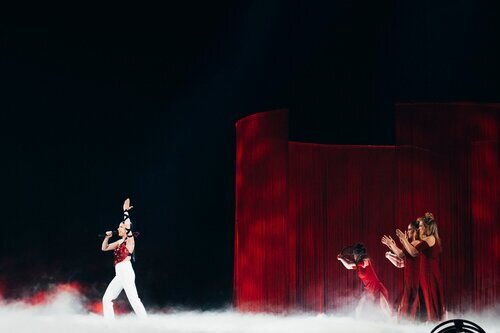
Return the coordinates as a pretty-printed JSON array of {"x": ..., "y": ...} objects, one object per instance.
[
  {"x": 262, "y": 277},
  {"x": 299, "y": 204}
]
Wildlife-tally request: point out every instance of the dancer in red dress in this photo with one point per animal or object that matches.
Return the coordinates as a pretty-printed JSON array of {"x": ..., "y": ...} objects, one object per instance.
[
  {"x": 374, "y": 289},
  {"x": 410, "y": 306},
  {"x": 429, "y": 251}
]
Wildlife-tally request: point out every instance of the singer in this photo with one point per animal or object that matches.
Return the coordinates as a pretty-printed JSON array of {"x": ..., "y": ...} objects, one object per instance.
[{"x": 125, "y": 275}]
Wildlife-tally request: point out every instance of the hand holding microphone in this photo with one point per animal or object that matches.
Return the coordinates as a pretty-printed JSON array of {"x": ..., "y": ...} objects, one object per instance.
[{"x": 108, "y": 234}]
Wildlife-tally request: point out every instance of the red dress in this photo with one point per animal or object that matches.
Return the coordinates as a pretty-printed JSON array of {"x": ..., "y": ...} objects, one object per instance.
[
  {"x": 431, "y": 282},
  {"x": 373, "y": 286},
  {"x": 410, "y": 307}
]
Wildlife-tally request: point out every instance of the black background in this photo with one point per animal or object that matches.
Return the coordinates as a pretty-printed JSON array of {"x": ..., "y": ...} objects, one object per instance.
[{"x": 103, "y": 103}]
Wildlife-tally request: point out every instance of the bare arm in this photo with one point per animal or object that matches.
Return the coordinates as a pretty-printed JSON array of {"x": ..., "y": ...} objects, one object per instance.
[
  {"x": 391, "y": 244},
  {"x": 395, "y": 260},
  {"x": 128, "y": 225},
  {"x": 410, "y": 248},
  {"x": 109, "y": 247},
  {"x": 130, "y": 235},
  {"x": 365, "y": 263},
  {"x": 347, "y": 263},
  {"x": 130, "y": 244}
]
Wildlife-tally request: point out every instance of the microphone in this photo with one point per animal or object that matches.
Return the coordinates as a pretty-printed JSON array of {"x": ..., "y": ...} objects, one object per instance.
[{"x": 113, "y": 233}]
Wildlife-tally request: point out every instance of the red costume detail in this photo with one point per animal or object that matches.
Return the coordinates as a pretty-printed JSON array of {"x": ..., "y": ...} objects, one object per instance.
[
  {"x": 370, "y": 280},
  {"x": 121, "y": 252},
  {"x": 431, "y": 282},
  {"x": 410, "y": 306}
]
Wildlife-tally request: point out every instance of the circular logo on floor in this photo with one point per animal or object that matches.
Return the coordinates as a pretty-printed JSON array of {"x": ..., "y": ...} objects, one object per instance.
[{"x": 458, "y": 326}]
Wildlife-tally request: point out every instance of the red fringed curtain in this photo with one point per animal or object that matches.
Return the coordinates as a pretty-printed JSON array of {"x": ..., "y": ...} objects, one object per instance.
[
  {"x": 262, "y": 253},
  {"x": 466, "y": 209},
  {"x": 484, "y": 204},
  {"x": 415, "y": 191},
  {"x": 298, "y": 205},
  {"x": 336, "y": 201}
]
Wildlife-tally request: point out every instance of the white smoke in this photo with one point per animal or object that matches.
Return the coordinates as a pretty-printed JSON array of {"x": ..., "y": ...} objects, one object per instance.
[{"x": 65, "y": 313}]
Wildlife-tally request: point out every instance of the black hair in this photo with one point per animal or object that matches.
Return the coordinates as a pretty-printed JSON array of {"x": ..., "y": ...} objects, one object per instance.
[
  {"x": 359, "y": 252},
  {"x": 415, "y": 225},
  {"x": 355, "y": 253}
]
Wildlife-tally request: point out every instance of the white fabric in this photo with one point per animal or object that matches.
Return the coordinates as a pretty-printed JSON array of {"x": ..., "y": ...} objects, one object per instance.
[{"x": 124, "y": 279}]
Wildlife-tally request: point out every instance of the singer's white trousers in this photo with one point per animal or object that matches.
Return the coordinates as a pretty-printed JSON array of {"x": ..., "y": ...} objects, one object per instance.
[{"x": 124, "y": 279}]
